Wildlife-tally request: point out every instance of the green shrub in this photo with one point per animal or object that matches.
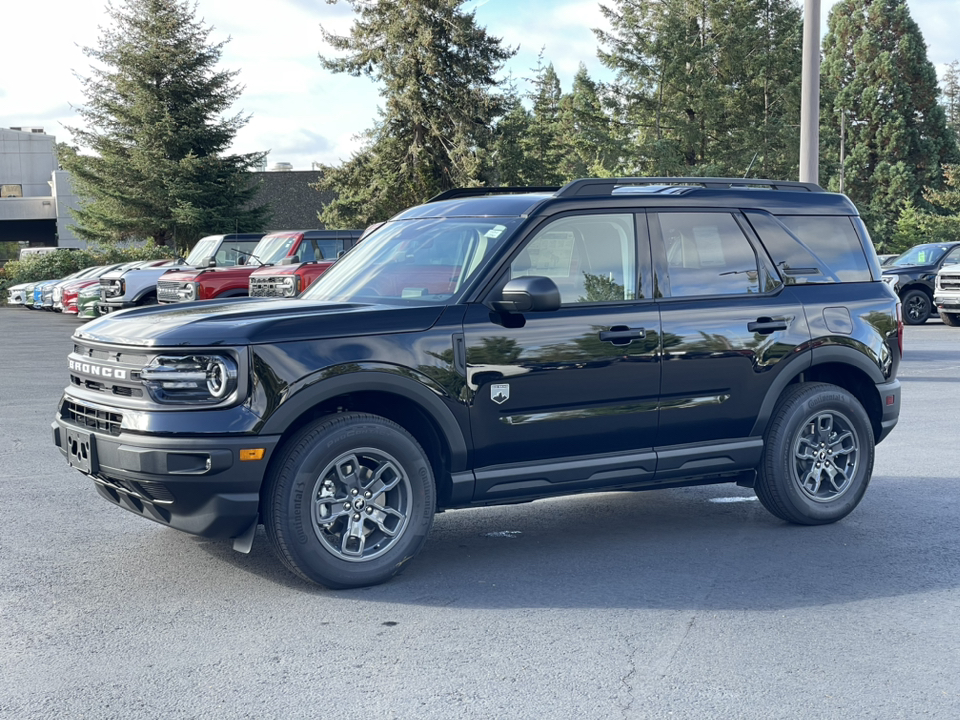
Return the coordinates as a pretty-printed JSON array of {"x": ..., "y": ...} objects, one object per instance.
[{"x": 63, "y": 262}]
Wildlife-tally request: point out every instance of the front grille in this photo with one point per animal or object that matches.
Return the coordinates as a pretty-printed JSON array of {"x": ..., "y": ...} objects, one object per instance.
[
  {"x": 265, "y": 287},
  {"x": 93, "y": 418},
  {"x": 167, "y": 291},
  {"x": 950, "y": 282}
]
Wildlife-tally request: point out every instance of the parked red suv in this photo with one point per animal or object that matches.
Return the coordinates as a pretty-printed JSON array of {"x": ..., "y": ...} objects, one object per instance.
[
  {"x": 294, "y": 273},
  {"x": 288, "y": 247}
]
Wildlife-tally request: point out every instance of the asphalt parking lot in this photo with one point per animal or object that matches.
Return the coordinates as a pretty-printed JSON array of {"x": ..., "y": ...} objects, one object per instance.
[{"x": 689, "y": 603}]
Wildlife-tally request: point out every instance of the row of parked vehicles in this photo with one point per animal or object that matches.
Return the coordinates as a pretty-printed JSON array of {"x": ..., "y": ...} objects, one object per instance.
[
  {"x": 279, "y": 264},
  {"x": 283, "y": 264}
]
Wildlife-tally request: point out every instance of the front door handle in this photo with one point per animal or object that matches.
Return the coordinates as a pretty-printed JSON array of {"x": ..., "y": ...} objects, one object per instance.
[
  {"x": 765, "y": 325},
  {"x": 622, "y": 335}
]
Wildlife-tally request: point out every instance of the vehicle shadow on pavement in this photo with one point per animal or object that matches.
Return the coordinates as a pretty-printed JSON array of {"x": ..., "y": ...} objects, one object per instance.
[{"x": 710, "y": 548}]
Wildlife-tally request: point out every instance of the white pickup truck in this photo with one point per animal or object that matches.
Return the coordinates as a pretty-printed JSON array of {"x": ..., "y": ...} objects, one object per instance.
[{"x": 946, "y": 294}]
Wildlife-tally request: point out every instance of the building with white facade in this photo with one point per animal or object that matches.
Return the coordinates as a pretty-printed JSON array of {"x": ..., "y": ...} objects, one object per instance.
[{"x": 35, "y": 195}]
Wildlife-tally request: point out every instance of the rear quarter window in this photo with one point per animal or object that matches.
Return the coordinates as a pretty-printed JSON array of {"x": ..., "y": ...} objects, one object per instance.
[{"x": 832, "y": 239}]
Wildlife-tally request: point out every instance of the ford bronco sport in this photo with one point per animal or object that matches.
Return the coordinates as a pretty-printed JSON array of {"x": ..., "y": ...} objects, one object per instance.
[{"x": 487, "y": 348}]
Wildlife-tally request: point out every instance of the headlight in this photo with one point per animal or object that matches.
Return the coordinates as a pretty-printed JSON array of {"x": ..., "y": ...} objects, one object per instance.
[
  {"x": 114, "y": 288},
  {"x": 187, "y": 292},
  {"x": 181, "y": 379},
  {"x": 289, "y": 285}
]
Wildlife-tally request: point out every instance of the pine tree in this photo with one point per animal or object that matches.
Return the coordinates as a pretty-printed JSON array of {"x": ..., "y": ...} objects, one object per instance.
[
  {"x": 587, "y": 132},
  {"x": 543, "y": 145},
  {"x": 437, "y": 69},
  {"x": 951, "y": 98},
  {"x": 876, "y": 71},
  {"x": 509, "y": 164},
  {"x": 154, "y": 121},
  {"x": 706, "y": 85}
]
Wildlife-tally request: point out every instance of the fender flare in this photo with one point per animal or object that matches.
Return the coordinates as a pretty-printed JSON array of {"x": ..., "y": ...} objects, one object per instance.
[
  {"x": 366, "y": 379},
  {"x": 236, "y": 292},
  {"x": 143, "y": 293},
  {"x": 815, "y": 356}
]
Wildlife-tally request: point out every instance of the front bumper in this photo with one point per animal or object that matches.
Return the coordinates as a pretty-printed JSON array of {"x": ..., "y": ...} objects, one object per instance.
[
  {"x": 113, "y": 305},
  {"x": 194, "y": 484},
  {"x": 948, "y": 303}
]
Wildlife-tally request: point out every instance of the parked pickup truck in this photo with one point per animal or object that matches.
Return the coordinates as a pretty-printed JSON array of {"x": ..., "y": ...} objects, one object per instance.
[
  {"x": 290, "y": 247},
  {"x": 946, "y": 294},
  {"x": 289, "y": 278},
  {"x": 119, "y": 290}
]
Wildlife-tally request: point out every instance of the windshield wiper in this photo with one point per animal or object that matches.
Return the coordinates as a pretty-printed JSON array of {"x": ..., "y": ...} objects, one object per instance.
[{"x": 250, "y": 255}]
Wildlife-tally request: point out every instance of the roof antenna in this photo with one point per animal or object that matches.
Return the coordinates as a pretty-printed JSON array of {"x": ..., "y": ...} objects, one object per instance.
[{"x": 751, "y": 164}]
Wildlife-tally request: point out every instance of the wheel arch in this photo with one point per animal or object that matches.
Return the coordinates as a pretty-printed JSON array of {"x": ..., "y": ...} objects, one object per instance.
[
  {"x": 837, "y": 365},
  {"x": 236, "y": 292},
  {"x": 144, "y": 293},
  {"x": 414, "y": 406}
]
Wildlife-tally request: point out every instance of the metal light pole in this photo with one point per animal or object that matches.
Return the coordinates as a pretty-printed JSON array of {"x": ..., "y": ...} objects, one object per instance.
[{"x": 810, "y": 94}]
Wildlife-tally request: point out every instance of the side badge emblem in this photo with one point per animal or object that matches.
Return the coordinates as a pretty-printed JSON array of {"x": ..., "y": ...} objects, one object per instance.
[{"x": 500, "y": 393}]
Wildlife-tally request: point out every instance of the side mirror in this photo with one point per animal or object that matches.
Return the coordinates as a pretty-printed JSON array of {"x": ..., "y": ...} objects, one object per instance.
[
  {"x": 528, "y": 294},
  {"x": 209, "y": 262},
  {"x": 291, "y": 260},
  {"x": 241, "y": 260}
]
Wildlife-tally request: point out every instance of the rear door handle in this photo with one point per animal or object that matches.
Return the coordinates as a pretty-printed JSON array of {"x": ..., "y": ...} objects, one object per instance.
[
  {"x": 765, "y": 325},
  {"x": 622, "y": 335}
]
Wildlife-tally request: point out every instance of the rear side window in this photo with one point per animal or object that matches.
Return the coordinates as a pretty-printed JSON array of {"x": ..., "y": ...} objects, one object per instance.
[
  {"x": 833, "y": 239},
  {"x": 797, "y": 264},
  {"x": 707, "y": 254}
]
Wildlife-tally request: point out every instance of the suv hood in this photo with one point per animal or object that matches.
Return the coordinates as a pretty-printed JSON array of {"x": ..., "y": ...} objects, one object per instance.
[
  {"x": 246, "y": 321},
  {"x": 193, "y": 275}
]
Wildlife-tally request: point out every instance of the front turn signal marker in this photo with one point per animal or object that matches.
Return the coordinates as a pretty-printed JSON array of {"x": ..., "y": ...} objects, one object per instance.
[{"x": 251, "y": 454}]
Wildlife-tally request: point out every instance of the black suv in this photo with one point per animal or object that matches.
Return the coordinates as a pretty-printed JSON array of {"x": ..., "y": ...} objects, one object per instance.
[
  {"x": 487, "y": 348},
  {"x": 913, "y": 276}
]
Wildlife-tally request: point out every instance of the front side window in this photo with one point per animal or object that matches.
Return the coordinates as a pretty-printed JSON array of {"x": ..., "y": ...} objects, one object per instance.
[
  {"x": 591, "y": 258},
  {"x": 230, "y": 252},
  {"x": 953, "y": 257},
  {"x": 414, "y": 262},
  {"x": 708, "y": 254}
]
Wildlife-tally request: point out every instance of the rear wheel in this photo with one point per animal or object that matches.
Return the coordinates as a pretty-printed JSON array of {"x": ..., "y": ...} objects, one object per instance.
[
  {"x": 350, "y": 500},
  {"x": 951, "y": 319},
  {"x": 818, "y": 455},
  {"x": 916, "y": 307}
]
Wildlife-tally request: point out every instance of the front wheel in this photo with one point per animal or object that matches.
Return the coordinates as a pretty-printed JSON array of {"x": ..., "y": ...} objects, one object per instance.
[
  {"x": 916, "y": 307},
  {"x": 949, "y": 318},
  {"x": 818, "y": 455},
  {"x": 351, "y": 499}
]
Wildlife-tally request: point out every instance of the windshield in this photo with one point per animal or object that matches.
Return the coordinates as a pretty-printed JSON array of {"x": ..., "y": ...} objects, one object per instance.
[
  {"x": 203, "y": 249},
  {"x": 920, "y": 255},
  {"x": 274, "y": 248},
  {"x": 413, "y": 261}
]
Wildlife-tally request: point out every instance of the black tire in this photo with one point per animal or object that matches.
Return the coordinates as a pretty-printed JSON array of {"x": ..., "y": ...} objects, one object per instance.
[
  {"x": 797, "y": 478},
  {"x": 951, "y": 319},
  {"x": 329, "y": 460},
  {"x": 917, "y": 307}
]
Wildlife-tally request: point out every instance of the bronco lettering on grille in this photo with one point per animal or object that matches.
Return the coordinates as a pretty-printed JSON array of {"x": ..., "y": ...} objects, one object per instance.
[{"x": 98, "y": 370}]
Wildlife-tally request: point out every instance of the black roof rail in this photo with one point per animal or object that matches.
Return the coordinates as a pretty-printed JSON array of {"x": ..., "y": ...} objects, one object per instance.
[
  {"x": 606, "y": 186},
  {"x": 480, "y": 191}
]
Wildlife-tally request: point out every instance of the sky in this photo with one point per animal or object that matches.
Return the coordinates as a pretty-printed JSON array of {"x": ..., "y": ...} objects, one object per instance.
[{"x": 299, "y": 112}]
